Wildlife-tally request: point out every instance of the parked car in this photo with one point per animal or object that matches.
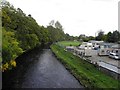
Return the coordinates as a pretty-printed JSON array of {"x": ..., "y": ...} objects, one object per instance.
[{"x": 114, "y": 56}]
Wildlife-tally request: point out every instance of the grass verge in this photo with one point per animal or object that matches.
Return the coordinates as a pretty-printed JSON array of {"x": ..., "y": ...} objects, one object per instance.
[
  {"x": 69, "y": 43},
  {"x": 86, "y": 73}
]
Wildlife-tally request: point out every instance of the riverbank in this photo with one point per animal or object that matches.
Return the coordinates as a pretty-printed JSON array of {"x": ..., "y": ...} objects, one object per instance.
[
  {"x": 87, "y": 74},
  {"x": 23, "y": 62},
  {"x": 44, "y": 71}
]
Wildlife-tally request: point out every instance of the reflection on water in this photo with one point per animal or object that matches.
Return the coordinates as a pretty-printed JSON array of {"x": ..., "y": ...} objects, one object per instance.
[{"x": 42, "y": 71}]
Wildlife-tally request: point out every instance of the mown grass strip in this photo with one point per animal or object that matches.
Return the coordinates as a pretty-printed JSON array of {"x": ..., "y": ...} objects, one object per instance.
[
  {"x": 86, "y": 73},
  {"x": 69, "y": 43}
]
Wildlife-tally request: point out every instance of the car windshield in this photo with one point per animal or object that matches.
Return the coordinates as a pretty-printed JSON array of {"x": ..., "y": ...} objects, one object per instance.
[{"x": 114, "y": 54}]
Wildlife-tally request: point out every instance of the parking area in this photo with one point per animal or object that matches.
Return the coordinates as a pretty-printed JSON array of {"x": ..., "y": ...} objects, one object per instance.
[
  {"x": 104, "y": 63},
  {"x": 93, "y": 56},
  {"x": 106, "y": 59}
]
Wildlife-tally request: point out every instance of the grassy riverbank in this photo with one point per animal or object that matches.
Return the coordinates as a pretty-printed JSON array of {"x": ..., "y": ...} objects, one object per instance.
[{"x": 85, "y": 72}]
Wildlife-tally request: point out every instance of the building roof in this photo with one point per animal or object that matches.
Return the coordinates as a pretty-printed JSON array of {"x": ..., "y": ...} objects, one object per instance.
[
  {"x": 108, "y": 44},
  {"x": 109, "y": 66},
  {"x": 116, "y": 46},
  {"x": 112, "y": 45},
  {"x": 94, "y": 41}
]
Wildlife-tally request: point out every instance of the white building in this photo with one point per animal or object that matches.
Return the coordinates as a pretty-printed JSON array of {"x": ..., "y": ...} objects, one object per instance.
[
  {"x": 104, "y": 49},
  {"x": 86, "y": 45},
  {"x": 84, "y": 49},
  {"x": 95, "y": 43},
  {"x": 107, "y": 48},
  {"x": 92, "y": 44}
]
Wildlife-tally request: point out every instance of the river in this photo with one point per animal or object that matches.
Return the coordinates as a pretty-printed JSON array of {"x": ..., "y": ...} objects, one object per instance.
[{"x": 43, "y": 71}]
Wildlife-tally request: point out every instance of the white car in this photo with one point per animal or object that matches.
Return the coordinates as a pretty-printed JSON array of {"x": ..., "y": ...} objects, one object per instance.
[{"x": 114, "y": 55}]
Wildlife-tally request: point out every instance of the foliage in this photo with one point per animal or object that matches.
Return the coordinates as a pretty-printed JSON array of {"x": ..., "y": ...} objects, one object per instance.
[
  {"x": 10, "y": 49},
  {"x": 10, "y": 46},
  {"x": 56, "y": 34},
  {"x": 68, "y": 37},
  {"x": 84, "y": 38},
  {"x": 86, "y": 73},
  {"x": 100, "y": 35},
  {"x": 22, "y": 33},
  {"x": 58, "y": 25},
  {"x": 113, "y": 37}
]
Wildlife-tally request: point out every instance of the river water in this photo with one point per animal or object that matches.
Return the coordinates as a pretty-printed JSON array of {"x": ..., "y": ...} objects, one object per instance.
[{"x": 44, "y": 71}]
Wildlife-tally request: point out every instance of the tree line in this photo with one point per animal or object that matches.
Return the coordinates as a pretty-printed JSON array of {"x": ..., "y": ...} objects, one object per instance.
[
  {"x": 110, "y": 37},
  {"x": 113, "y": 37},
  {"x": 21, "y": 32}
]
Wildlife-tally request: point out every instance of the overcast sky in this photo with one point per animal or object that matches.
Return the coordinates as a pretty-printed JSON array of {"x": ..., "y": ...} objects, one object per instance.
[{"x": 76, "y": 16}]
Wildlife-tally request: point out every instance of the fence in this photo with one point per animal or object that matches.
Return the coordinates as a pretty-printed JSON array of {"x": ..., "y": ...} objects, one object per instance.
[{"x": 104, "y": 67}]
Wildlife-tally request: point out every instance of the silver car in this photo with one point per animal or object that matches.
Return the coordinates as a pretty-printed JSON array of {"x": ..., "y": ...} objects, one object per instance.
[{"x": 114, "y": 56}]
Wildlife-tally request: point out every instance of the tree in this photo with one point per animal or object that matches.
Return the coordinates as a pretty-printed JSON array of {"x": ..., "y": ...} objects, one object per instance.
[
  {"x": 20, "y": 12},
  {"x": 10, "y": 46},
  {"x": 51, "y": 23},
  {"x": 91, "y": 38},
  {"x": 113, "y": 37},
  {"x": 58, "y": 25},
  {"x": 116, "y": 36},
  {"x": 109, "y": 37},
  {"x": 22, "y": 33},
  {"x": 56, "y": 33},
  {"x": 32, "y": 40},
  {"x": 100, "y": 35}
]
